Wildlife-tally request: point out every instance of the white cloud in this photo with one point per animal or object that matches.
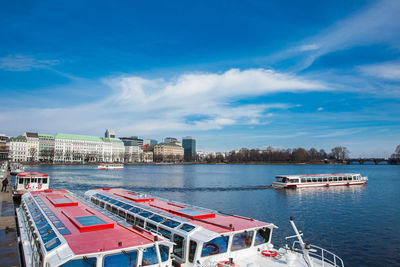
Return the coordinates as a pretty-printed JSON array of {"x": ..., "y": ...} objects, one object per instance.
[
  {"x": 308, "y": 47},
  {"x": 24, "y": 63},
  {"x": 320, "y": 109},
  {"x": 196, "y": 101},
  {"x": 389, "y": 71}
]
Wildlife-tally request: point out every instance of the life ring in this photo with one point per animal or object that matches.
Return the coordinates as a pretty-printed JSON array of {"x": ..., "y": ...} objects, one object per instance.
[
  {"x": 27, "y": 186},
  {"x": 269, "y": 253},
  {"x": 39, "y": 186},
  {"x": 225, "y": 264},
  {"x": 215, "y": 248}
]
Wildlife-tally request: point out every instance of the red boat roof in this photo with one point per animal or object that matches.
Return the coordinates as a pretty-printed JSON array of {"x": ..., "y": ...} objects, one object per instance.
[
  {"x": 32, "y": 174},
  {"x": 326, "y": 174},
  {"x": 90, "y": 230},
  {"x": 211, "y": 220}
]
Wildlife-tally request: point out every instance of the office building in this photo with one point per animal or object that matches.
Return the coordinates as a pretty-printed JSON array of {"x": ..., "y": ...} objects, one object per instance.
[{"x": 189, "y": 146}]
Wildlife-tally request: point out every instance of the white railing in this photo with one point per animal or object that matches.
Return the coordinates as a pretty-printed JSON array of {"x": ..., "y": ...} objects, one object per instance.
[{"x": 321, "y": 254}]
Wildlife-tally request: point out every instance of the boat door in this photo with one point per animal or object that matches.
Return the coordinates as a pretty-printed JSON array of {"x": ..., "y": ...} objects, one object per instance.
[{"x": 179, "y": 248}]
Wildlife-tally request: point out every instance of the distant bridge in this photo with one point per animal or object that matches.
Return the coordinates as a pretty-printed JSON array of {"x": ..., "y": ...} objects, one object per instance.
[{"x": 375, "y": 161}]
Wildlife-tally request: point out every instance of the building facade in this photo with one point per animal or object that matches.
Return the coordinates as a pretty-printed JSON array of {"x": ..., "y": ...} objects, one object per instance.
[
  {"x": 168, "y": 152},
  {"x": 189, "y": 146},
  {"x": 132, "y": 141},
  {"x": 17, "y": 149},
  {"x": 46, "y": 147},
  {"x": 113, "y": 150},
  {"x": 151, "y": 142},
  {"x": 3, "y": 147},
  {"x": 133, "y": 154},
  {"x": 32, "y": 146}
]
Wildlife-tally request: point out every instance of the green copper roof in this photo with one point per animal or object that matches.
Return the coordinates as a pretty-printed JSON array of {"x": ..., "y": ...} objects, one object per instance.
[
  {"x": 46, "y": 135},
  {"x": 78, "y": 137}
]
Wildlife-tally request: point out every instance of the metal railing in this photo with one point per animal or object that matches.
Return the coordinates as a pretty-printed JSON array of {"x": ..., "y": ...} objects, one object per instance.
[{"x": 321, "y": 254}]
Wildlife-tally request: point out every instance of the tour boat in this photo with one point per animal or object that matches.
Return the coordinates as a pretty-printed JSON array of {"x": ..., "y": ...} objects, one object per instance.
[
  {"x": 110, "y": 166},
  {"x": 58, "y": 228},
  {"x": 16, "y": 168},
  {"x": 30, "y": 181},
  {"x": 315, "y": 180},
  {"x": 204, "y": 237}
]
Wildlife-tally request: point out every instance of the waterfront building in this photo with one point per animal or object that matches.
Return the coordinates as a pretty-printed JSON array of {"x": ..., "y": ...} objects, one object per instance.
[
  {"x": 46, "y": 147},
  {"x": 3, "y": 147},
  {"x": 147, "y": 157},
  {"x": 168, "y": 140},
  {"x": 132, "y": 141},
  {"x": 168, "y": 152},
  {"x": 17, "y": 148},
  {"x": 151, "y": 142},
  {"x": 32, "y": 146},
  {"x": 113, "y": 150},
  {"x": 109, "y": 134},
  {"x": 189, "y": 146}
]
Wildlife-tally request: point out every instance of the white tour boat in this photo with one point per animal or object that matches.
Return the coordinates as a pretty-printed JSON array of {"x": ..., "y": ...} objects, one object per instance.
[
  {"x": 110, "y": 166},
  {"x": 59, "y": 229},
  {"x": 208, "y": 238},
  {"x": 16, "y": 168},
  {"x": 316, "y": 180},
  {"x": 30, "y": 181}
]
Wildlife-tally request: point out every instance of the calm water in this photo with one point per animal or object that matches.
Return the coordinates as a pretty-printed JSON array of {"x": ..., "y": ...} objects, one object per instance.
[{"x": 359, "y": 223}]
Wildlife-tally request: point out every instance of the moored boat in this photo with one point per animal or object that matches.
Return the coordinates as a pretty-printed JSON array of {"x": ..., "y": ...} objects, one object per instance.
[
  {"x": 110, "y": 166},
  {"x": 16, "y": 168},
  {"x": 204, "y": 237},
  {"x": 58, "y": 228},
  {"x": 30, "y": 181},
  {"x": 318, "y": 180}
]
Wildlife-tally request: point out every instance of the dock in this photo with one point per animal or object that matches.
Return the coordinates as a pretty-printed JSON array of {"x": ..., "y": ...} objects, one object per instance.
[{"x": 9, "y": 253}]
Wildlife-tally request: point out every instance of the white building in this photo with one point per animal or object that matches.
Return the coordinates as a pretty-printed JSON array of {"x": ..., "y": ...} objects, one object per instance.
[
  {"x": 32, "y": 146},
  {"x": 114, "y": 150},
  {"x": 133, "y": 154},
  {"x": 17, "y": 149}
]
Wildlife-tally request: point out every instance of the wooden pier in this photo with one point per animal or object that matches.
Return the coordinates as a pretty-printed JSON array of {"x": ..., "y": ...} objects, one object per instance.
[{"x": 9, "y": 253}]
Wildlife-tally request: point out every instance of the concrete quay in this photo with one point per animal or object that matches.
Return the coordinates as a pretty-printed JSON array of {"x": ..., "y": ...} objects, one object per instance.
[{"x": 9, "y": 254}]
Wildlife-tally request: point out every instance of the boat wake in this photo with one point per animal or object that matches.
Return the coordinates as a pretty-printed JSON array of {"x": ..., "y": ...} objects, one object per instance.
[{"x": 200, "y": 189}]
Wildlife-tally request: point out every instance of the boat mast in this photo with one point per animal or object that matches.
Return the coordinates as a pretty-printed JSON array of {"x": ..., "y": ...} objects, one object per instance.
[{"x": 305, "y": 247}]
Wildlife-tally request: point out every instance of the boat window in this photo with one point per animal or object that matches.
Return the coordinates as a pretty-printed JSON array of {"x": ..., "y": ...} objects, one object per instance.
[
  {"x": 121, "y": 259},
  {"x": 114, "y": 210},
  {"x": 242, "y": 240},
  {"x": 164, "y": 252},
  {"x": 319, "y": 179},
  {"x": 165, "y": 233},
  {"x": 216, "y": 246},
  {"x": 330, "y": 179},
  {"x": 145, "y": 213},
  {"x": 119, "y": 204},
  {"x": 187, "y": 227},
  {"x": 134, "y": 210},
  {"x": 21, "y": 181},
  {"x": 84, "y": 262},
  {"x": 39, "y": 180},
  {"x": 122, "y": 213},
  {"x": 325, "y": 179},
  {"x": 171, "y": 223},
  {"x": 294, "y": 180},
  {"x": 314, "y": 179},
  {"x": 149, "y": 256},
  {"x": 101, "y": 204},
  {"x": 156, "y": 218},
  {"x": 33, "y": 180},
  {"x": 108, "y": 207},
  {"x": 139, "y": 222},
  {"x": 345, "y": 178},
  {"x": 192, "y": 250},
  {"x": 285, "y": 180},
  {"x": 309, "y": 180},
  {"x": 179, "y": 247},
  {"x": 334, "y": 178},
  {"x": 44, "y": 181},
  {"x": 262, "y": 236},
  {"x": 303, "y": 180},
  {"x": 130, "y": 218},
  {"x": 350, "y": 178},
  {"x": 150, "y": 226},
  {"x": 340, "y": 178}
]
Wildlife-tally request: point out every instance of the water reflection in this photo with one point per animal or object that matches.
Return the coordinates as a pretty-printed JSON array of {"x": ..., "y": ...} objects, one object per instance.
[{"x": 323, "y": 190}]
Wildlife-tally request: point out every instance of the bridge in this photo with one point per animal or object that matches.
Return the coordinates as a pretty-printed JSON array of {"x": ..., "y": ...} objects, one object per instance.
[{"x": 376, "y": 161}]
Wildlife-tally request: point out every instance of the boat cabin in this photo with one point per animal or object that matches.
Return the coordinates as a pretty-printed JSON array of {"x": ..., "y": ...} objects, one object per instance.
[
  {"x": 58, "y": 228},
  {"x": 199, "y": 235},
  {"x": 293, "y": 181},
  {"x": 30, "y": 181}
]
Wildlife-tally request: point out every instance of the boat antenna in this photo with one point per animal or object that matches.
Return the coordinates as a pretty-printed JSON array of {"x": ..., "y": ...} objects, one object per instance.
[{"x": 304, "y": 247}]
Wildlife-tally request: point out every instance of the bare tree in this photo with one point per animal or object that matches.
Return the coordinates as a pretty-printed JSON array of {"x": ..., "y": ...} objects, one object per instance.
[
  {"x": 32, "y": 153},
  {"x": 340, "y": 153}
]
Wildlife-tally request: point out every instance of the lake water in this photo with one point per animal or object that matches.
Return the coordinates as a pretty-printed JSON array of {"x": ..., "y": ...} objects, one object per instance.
[{"x": 361, "y": 224}]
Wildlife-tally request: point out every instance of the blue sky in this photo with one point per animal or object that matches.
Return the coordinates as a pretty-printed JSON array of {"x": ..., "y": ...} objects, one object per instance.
[{"x": 230, "y": 73}]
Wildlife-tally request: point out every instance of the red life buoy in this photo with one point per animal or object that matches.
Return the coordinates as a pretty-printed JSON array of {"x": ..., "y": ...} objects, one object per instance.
[
  {"x": 39, "y": 186},
  {"x": 269, "y": 253},
  {"x": 27, "y": 186},
  {"x": 225, "y": 264}
]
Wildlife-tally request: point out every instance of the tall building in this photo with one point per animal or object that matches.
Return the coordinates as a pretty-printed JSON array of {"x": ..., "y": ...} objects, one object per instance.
[
  {"x": 109, "y": 134},
  {"x": 46, "y": 147},
  {"x": 132, "y": 141},
  {"x": 151, "y": 142},
  {"x": 3, "y": 147},
  {"x": 32, "y": 142},
  {"x": 168, "y": 152},
  {"x": 189, "y": 146},
  {"x": 17, "y": 149},
  {"x": 168, "y": 140}
]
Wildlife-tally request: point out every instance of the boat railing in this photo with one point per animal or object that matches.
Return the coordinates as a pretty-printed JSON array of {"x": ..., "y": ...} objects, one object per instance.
[{"x": 321, "y": 254}]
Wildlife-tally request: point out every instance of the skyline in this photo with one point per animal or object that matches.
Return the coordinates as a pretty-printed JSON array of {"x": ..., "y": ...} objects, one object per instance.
[{"x": 230, "y": 74}]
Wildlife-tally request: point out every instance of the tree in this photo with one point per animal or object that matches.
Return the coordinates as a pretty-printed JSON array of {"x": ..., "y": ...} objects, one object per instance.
[
  {"x": 340, "y": 153},
  {"x": 299, "y": 154},
  {"x": 396, "y": 154},
  {"x": 32, "y": 153}
]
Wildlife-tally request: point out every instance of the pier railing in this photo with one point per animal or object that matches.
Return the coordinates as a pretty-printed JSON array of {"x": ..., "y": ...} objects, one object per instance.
[{"x": 321, "y": 254}]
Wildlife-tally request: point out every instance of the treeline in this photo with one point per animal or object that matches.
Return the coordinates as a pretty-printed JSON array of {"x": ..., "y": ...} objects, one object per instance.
[{"x": 281, "y": 155}]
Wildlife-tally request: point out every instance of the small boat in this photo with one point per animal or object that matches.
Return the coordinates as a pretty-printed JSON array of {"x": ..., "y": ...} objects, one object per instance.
[
  {"x": 209, "y": 238},
  {"x": 58, "y": 228},
  {"x": 16, "y": 168},
  {"x": 318, "y": 180},
  {"x": 110, "y": 166},
  {"x": 30, "y": 181}
]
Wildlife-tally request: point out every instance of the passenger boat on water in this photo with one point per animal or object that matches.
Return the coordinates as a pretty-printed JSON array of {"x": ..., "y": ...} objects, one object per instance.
[
  {"x": 16, "y": 168},
  {"x": 316, "y": 180},
  {"x": 30, "y": 181},
  {"x": 209, "y": 238},
  {"x": 58, "y": 228},
  {"x": 110, "y": 166}
]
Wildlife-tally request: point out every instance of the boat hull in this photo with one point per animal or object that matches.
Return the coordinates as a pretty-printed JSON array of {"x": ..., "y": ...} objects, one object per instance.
[{"x": 319, "y": 184}]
